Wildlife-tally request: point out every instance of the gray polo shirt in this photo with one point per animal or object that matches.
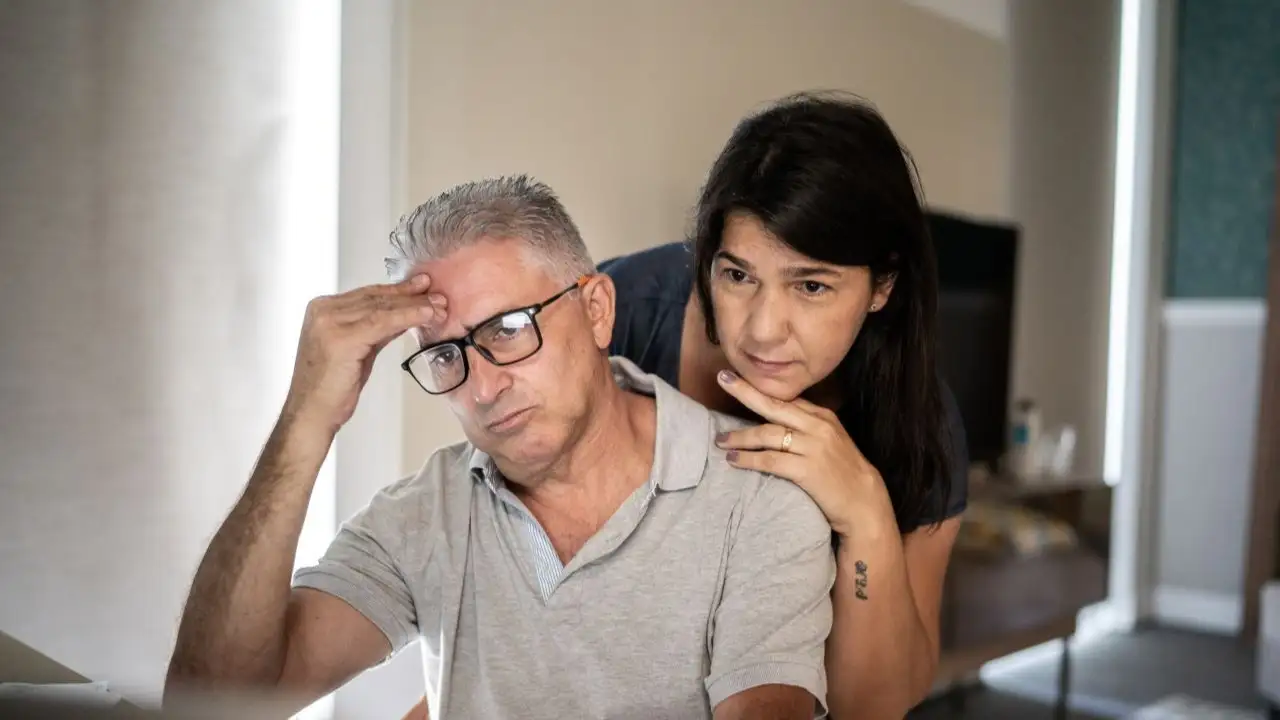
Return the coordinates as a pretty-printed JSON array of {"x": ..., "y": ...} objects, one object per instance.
[{"x": 707, "y": 581}]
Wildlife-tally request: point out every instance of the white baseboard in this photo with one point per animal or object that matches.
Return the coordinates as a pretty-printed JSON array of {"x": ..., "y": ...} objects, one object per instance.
[{"x": 1221, "y": 613}]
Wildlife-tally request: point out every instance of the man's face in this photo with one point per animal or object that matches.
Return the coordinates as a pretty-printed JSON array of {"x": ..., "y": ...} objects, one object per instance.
[{"x": 526, "y": 413}]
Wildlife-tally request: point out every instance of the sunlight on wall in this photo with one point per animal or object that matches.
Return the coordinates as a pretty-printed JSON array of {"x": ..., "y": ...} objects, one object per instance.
[
  {"x": 309, "y": 265},
  {"x": 1122, "y": 238}
]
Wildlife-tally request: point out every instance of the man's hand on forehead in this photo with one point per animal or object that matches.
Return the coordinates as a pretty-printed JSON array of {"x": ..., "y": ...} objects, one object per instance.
[
  {"x": 435, "y": 329},
  {"x": 342, "y": 334}
]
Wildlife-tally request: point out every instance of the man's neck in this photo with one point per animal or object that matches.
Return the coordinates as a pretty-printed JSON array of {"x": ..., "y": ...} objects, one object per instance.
[{"x": 605, "y": 464}]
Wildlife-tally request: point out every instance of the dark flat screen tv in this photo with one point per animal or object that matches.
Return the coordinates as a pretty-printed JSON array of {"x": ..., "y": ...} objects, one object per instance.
[{"x": 977, "y": 265}]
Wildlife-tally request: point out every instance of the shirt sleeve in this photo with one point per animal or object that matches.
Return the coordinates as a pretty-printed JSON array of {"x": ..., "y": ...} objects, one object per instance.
[
  {"x": 361, "y": 568},
  {"x": 774, "y": 615}
]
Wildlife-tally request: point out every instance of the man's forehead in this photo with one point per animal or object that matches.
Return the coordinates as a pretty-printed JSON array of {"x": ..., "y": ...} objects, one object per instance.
[{"x": 482, "y": 280}]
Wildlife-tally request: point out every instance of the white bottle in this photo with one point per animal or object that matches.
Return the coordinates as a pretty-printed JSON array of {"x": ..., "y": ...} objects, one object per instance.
[{"x": 1024, "y": 438}]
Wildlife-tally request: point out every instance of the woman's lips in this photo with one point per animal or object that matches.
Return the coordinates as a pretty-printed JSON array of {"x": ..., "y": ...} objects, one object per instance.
[{"x": 769, "y": 367}]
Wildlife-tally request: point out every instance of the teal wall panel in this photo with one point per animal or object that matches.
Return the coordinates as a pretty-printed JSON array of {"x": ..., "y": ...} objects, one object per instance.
[{"x": 1227, "y": 111}]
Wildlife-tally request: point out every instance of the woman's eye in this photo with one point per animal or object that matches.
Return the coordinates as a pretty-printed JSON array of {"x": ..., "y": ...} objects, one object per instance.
[
  {"x": 813, "y": 287},
  {"x": 734, "y": 275}
]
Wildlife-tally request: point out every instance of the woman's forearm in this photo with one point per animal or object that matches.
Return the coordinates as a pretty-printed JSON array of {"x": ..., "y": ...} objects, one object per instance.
[{"x": 880, "y": 658}]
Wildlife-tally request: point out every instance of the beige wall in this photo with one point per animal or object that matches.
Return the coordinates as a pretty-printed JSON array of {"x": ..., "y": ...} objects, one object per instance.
[
  {"x": 622, "y": 106},
  {"x": 1064, "y": 67}
]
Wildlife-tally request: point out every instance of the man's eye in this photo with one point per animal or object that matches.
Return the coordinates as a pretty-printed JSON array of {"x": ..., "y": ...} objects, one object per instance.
[
  {"x": 734, "y": 275},
  {"x": 510, "y": 327},
  {"x": 445, "y": 357}
]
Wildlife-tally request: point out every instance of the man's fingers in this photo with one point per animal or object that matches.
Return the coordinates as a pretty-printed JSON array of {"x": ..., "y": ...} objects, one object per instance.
[
  {"x": 385, "y": 324},
  {"x": 375, "y": 315},
  {"x": 417, "y": 283},
  {"x": 388, "y": 323},
  {"x": 359, "y": 309},
  {"x": 413, "y": 285}
]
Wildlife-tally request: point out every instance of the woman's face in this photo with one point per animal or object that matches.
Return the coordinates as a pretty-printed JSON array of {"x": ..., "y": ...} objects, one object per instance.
[{"x": 785, "y": 320}]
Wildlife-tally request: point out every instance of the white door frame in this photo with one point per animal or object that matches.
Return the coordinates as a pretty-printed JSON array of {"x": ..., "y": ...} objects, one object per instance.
[{"x": 1144, "y": 124}]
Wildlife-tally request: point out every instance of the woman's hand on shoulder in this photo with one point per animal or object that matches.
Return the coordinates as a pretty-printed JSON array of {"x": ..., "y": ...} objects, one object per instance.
[{"x": 806, "y": 444}]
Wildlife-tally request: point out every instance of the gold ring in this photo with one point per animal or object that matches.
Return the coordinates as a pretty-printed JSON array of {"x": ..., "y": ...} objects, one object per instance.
[{"x": 786, "y": 442}]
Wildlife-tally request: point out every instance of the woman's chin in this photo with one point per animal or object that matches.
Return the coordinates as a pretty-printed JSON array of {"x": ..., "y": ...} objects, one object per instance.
[{"x": 778, "y": 388}]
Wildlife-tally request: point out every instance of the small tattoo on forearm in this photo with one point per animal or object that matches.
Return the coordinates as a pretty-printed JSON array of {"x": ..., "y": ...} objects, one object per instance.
[{"x": 860, "y": 579}]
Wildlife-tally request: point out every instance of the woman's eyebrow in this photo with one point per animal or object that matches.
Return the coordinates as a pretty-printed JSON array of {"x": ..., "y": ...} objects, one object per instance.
[
  {"x": 726, "y": 255},
  {"x": 797, "y": 272},
  {"x": 793, "y": 272}
]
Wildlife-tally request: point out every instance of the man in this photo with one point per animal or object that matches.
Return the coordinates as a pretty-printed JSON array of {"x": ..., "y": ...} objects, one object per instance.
[{"x": 587, "y": 553}]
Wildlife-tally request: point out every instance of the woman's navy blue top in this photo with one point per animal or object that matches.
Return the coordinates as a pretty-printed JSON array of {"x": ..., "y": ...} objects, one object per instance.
[{"x": 653, "y": 287}]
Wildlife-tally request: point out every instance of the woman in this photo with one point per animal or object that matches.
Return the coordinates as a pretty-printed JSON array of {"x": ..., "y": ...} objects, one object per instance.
[{"x": 811, "y": 251}]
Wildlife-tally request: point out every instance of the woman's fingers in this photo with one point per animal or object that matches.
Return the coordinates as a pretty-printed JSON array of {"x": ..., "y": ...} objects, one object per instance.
[
  {"x": 775, "y": 411},
  {"x": 762, "y": 437},
  {"x": 788, "y": 466}
]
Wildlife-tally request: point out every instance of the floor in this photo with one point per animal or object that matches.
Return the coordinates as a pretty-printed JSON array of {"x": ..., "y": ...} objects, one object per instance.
[
  {"x": 986, "y": 703},
  {"x": 1114, "y": 676}
]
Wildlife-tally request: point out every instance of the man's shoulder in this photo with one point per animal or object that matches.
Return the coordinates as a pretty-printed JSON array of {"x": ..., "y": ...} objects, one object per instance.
[
  {"x": 413, "y": 499},
  {"x": 446, "y": 462},
  {"x": 763, "y": 498}
]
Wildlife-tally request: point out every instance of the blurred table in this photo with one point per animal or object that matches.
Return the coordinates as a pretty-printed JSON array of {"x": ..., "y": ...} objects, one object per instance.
[{"x": 995, "y": 604}]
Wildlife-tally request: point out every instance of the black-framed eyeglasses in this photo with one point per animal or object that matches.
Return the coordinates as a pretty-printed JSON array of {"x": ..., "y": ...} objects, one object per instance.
[{"x": 504, "y": 339}]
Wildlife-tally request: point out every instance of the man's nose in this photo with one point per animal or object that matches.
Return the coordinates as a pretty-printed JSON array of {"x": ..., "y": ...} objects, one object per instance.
[{"x": 487, "y": 381}]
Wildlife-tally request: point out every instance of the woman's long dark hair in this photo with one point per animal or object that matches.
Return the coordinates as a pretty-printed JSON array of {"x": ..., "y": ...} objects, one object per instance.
[{"x": 825, "y": 174}]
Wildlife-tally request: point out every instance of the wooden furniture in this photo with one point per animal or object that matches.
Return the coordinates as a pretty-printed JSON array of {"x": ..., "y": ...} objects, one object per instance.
[
  {"x": 997, "y": 605},
  {"x": 1263, "y": 561}
]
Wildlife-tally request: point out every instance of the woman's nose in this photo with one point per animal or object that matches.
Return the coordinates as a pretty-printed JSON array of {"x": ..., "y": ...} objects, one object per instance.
[{"x": 769, "y": 320}]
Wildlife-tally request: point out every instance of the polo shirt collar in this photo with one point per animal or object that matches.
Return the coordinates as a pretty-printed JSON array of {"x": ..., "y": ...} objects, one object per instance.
[
  {"x": 682, "y": 442},
  {"x": 683, "y": 438}
]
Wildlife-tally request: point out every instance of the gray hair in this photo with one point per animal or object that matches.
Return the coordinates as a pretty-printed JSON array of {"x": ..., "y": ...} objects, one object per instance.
[{"x": 510, "y": 207}]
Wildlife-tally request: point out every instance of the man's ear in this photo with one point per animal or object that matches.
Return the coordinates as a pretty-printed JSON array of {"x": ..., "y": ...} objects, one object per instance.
[{"x": 599, "y": 294}]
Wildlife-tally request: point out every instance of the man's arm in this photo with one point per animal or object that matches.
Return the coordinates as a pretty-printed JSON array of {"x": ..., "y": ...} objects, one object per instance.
[
  {"x": 244, "y": 627},
  {"x": 774, "y": 615}
]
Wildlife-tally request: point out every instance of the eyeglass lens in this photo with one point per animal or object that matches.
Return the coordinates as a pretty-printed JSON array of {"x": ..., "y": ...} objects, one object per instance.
[{"x": 503, "y": 340}]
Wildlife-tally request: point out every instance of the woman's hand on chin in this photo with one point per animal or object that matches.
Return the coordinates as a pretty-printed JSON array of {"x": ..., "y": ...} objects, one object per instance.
[{"x": 806, "y": 444}]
